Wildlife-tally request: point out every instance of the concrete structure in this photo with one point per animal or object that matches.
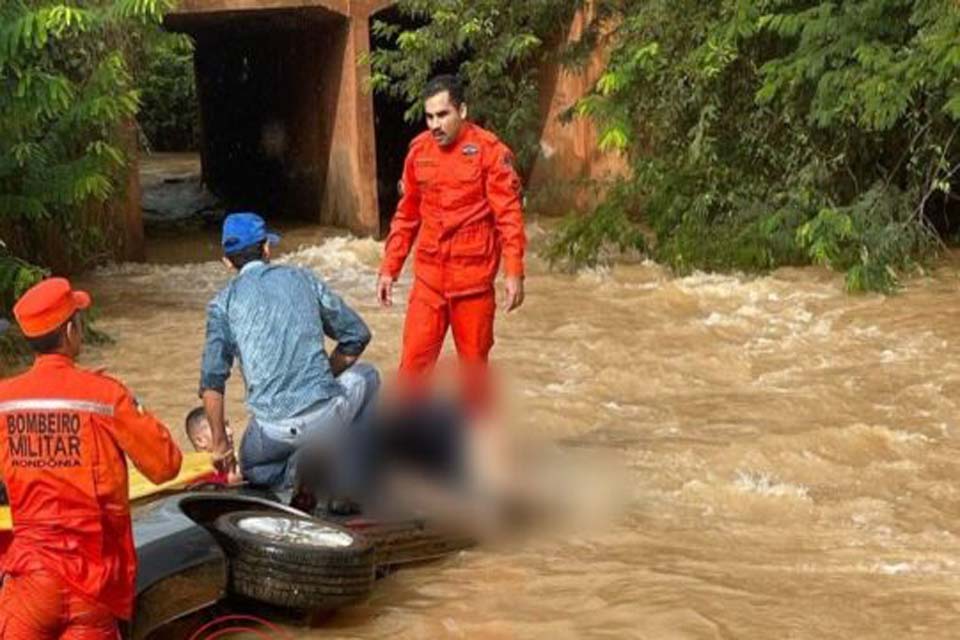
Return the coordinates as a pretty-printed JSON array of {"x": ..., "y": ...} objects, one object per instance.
[
  {"x": 287, "y": 122},
  {"x": 571, "y": 171},
  {"x": 289, "y": 127}
]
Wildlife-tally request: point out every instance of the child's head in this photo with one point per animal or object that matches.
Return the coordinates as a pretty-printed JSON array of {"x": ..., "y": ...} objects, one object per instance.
[{"x": 198, "y": 430}]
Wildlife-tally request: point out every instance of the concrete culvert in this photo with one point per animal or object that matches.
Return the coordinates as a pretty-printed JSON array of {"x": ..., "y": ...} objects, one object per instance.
[{"x": 287, "y": 127}]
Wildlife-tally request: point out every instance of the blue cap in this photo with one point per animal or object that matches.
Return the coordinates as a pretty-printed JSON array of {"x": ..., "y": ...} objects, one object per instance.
[{"x": 242, "y": 230}]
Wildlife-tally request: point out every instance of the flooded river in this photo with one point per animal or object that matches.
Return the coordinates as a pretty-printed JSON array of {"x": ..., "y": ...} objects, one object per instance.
[{"x": 793, "y": 452}]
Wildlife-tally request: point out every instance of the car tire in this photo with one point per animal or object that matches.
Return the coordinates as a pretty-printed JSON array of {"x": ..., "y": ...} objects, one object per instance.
[{"x": 295, "y": 562}]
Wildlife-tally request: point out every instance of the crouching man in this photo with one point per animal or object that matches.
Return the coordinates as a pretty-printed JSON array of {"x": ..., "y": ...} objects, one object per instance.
[
  {"x": 273, "y": 318},
  {"x": 71, "y": 568}
]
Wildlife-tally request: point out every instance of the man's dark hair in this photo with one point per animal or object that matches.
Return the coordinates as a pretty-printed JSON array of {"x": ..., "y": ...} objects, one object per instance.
[
  {"x": 194, "y": 419},
  {"x": 248, "y": 254},
  {"x": 51, "y": 342},
  {"x": 446, "y": 82}
]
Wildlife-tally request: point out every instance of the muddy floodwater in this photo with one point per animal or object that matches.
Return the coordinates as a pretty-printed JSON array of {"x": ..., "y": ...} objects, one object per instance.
[{"x": 793, "y": 452}]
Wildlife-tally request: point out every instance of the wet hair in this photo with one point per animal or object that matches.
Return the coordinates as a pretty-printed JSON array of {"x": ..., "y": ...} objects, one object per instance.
[
  {"x": 246, "y": 255},
  {"x": 194, "y": 419},
  {"x": 50, "y": 342},
  {"x": 446, "y": 82}
]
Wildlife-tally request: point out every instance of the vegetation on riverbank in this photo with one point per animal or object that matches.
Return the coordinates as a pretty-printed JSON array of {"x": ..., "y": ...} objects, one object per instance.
[
  {"x": 66, "y": 119},
  {"x": 758, "y": 133}
]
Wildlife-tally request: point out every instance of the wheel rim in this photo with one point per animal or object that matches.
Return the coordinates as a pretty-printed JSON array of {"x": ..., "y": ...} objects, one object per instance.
[{"x": 296, "y": 531}]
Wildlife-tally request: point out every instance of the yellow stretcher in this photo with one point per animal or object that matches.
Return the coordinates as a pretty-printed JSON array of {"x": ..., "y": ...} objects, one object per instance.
[{"x": 196, "y": 466}]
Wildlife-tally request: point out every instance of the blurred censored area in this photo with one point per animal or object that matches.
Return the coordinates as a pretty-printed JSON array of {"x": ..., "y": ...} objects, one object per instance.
[{"x": 428, "y": 455}]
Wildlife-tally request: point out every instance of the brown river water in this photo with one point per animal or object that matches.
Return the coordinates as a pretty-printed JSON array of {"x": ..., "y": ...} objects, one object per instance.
[{"x": 793, "y": 452}]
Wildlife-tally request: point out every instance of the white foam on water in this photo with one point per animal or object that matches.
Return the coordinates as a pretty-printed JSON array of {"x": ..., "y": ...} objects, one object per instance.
[
  {"x": 719, "y": 285},
  {"x": 909, "y": 437},
  {"x": 566, "y": 387},
  {"x": 937, "y": 567},
  {"x": 342, "y": 260},
  {"x": 766, "y": 484},
  {"x": 751, "y": 311},
  {"x": 349, "y": 264},
  {"x": 894, "y": 568},
  {"x": 642, "y": 286},
  {"x": 200, "y": 279},
  {"x": 594, "y": 275},
  {"x": 867, "y": 332},
  {"x": 716, "y": 319}
]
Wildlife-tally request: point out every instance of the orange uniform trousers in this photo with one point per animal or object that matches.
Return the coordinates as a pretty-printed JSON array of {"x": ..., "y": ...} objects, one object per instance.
[
  {"x": 470, "y": 318},
  {"x": 39, "y": 606}
]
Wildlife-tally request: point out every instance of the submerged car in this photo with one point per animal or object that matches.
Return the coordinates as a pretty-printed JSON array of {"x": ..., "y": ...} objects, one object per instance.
[{"x": 199, "y": 541}]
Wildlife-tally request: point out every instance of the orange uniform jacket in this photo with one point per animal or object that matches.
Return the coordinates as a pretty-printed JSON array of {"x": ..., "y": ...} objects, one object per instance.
[
  {"x": 64, "y": 434},
  {"x": 464, "y": 200}
]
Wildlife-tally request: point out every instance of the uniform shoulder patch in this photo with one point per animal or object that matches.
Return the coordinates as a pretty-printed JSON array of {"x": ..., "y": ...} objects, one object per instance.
[{"x": 470, "y": 149}]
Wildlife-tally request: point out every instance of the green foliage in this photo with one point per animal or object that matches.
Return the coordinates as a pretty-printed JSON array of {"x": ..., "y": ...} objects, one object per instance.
[
  {"x": 872, "y": 239},
  {"x": 497, "y": 48},
  {"x": 592, "y": 240},
  {"x": 770, "y": 132},
  {"x": 16, "y": 276},
  {"x": 68, "y": 94},
  {"x": 169, "y": 116}
]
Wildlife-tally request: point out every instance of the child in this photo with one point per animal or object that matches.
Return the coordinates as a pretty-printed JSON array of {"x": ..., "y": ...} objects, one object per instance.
[{"x": 198, "y": 431}]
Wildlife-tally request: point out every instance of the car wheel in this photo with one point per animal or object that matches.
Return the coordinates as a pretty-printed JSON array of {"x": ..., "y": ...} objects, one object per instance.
[{"x": 294, "y": 561}]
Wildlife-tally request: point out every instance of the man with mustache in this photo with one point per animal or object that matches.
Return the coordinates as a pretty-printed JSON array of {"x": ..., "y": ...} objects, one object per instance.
[{"x": 461, "y": 202}]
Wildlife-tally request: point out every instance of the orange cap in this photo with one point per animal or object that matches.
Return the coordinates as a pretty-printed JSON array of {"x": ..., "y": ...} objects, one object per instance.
[{"x": 47, "y": 305}]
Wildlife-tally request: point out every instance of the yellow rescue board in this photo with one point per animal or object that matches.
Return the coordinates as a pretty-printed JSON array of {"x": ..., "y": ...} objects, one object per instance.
[{"x": 195, "y": 466}]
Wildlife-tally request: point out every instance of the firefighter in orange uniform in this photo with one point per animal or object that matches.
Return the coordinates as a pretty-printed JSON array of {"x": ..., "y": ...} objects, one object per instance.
[
  {"x": 71, "y": 568},
  {"x": 461, "y": 201}
]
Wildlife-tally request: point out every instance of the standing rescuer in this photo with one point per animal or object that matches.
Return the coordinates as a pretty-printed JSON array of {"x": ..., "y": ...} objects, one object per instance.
[
  {"x": 461, "y": 202},
  {"x": 70, "y": 570}
]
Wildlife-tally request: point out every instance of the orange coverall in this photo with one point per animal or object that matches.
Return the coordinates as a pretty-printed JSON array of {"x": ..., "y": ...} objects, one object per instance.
[
  {"x": 71, "y": 568},
  {"x": 462, "y": 205}
]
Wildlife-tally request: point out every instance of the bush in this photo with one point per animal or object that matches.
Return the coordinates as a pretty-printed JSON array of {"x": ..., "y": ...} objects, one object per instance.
[
  {"x": 65, "y": 112},
  {"x": 598, "y": 238},
  {"x": 777, "y": 133},
  {"x": 169, "y": 116}
]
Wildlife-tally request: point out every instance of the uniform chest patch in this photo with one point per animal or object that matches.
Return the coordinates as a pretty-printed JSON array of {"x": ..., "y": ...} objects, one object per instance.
[{"x": 470, "y": 150}]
